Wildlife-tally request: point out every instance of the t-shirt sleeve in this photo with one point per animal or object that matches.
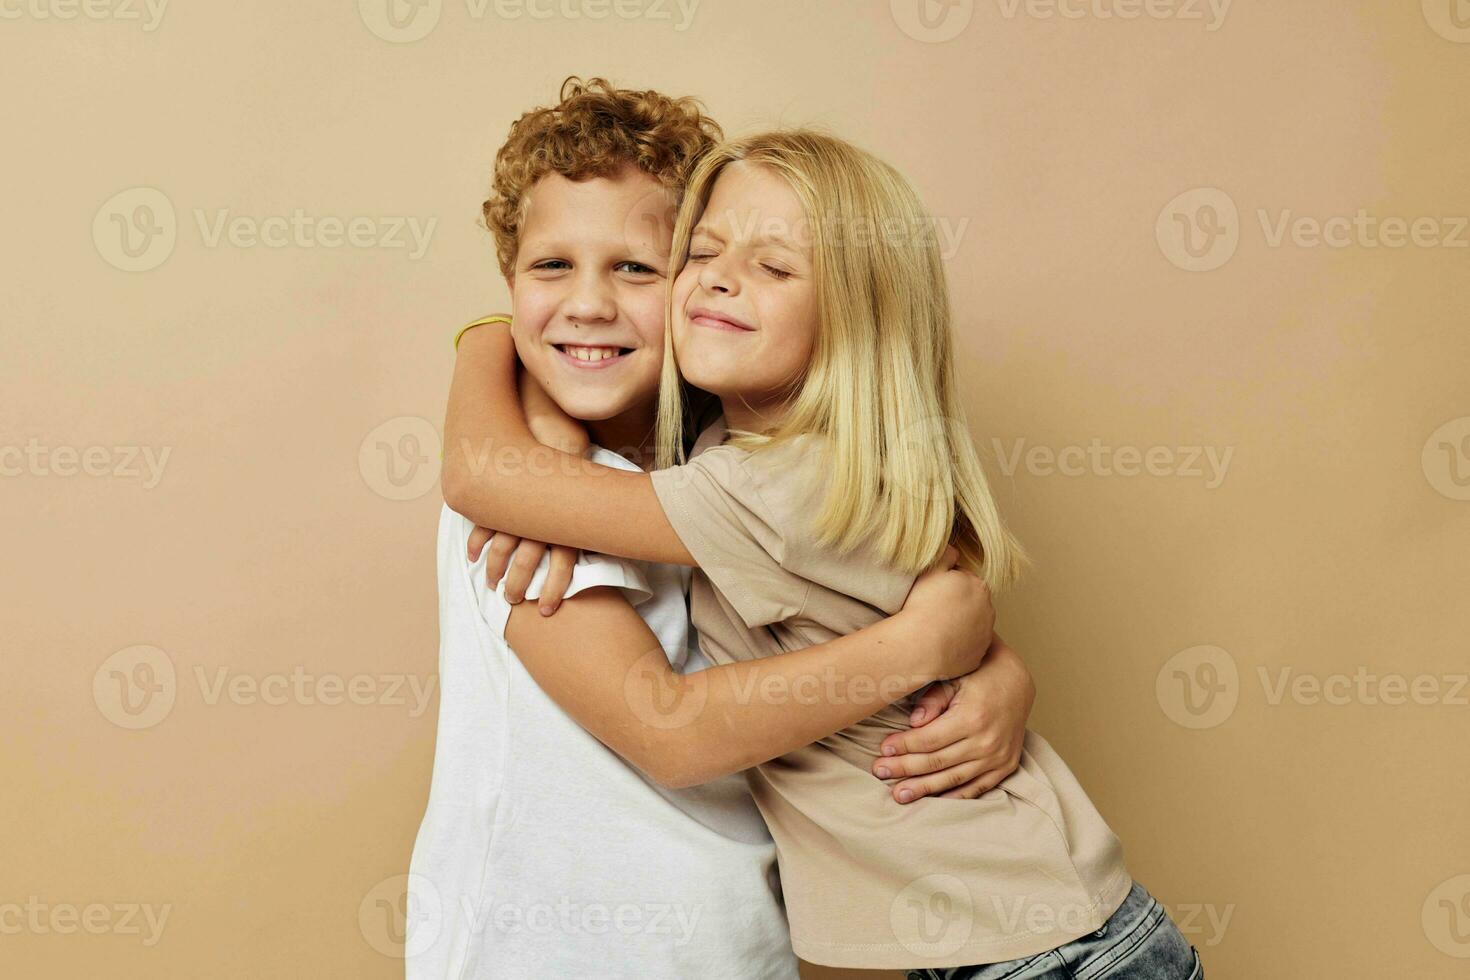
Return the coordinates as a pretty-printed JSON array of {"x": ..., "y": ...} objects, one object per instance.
[
  {"x": 591, "y": 570},
  {"x": 718, "y": 511}
]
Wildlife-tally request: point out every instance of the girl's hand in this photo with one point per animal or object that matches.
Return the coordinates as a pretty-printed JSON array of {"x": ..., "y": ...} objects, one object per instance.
[
  {"x": 950, "y": 618},
  {"x": 516, "y": 560},
  {"x": 548, "y": 423},
  {"x": 967, "y": 734}
]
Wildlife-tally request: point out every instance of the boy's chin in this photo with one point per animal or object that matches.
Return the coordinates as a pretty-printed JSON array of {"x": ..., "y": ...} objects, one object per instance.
[{"x": 586, "y": 408}]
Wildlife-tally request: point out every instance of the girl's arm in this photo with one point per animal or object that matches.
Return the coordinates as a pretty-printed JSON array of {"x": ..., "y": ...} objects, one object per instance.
[
  {"x": 598, "y": 660},
  {"x": 498, "y": 475}
]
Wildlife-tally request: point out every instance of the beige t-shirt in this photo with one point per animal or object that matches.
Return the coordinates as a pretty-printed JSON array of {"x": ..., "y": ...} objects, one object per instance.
[{"x": 871, "y": 883}]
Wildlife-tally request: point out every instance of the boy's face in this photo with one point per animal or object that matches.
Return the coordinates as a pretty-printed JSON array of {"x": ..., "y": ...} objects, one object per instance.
[{"x": 587, "y": 291}]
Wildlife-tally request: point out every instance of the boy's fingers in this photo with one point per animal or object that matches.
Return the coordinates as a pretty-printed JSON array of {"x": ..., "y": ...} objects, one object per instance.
[
  {"x": 978, "y": 786},
  {"x": 917, "y": 763},
  {"x": 502, "y": 546},
  {"x": 522, "y": 569},
  {"x": 931, "y": 703},
  {"x": 942, "y": 731},
  {"x": 937, "y": 784},
  {"x": 478, "y": 537},
  {"x": 558, "y": 577}
]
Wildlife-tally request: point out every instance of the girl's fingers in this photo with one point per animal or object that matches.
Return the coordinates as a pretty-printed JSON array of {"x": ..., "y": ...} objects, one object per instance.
[
  {"x": 502, "y": 546},
  {"x": 522, "y": 569},
  {"x": 940, "y": 783},
  {"x": 558, "y": 577},
  {"x": 478, "y": 538}
]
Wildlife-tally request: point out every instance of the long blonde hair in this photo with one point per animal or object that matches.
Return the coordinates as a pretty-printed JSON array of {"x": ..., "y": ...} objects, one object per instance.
[{"x": 880, "y": 386}]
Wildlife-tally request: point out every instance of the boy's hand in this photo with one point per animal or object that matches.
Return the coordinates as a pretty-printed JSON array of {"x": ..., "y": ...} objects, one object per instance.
[
  {"x": 516, "y": 560},
  {"x": 967, "y": 734}
]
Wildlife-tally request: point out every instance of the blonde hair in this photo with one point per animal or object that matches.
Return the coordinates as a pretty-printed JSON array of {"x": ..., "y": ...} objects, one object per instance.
[{"x": 880, "y": 387}]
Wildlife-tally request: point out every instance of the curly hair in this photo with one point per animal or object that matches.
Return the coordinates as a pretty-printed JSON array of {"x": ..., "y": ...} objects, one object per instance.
[{"x": 594, "y": 131}]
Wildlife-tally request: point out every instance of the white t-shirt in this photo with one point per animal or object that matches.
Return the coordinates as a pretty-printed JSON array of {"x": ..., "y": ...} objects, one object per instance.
[{"x": 542, "y": 853}]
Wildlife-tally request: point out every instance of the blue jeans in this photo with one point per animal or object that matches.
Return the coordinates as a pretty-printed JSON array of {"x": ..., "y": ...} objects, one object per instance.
[{"x": 1138, "y": 942}]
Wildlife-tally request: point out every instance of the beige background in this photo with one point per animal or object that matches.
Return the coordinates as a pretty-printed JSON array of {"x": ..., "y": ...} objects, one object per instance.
[{"x": 1291, "y": 836}]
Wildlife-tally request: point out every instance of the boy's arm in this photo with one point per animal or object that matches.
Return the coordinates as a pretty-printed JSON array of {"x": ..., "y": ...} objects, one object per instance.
[
  {"x": 498, "y": 475},
  {"x": 598, "y": 660}
]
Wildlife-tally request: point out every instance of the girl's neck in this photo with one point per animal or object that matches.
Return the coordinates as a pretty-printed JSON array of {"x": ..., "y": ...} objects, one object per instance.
[
  {"x": 741, "y": 413},
  {"x": 630, "y": 434}
]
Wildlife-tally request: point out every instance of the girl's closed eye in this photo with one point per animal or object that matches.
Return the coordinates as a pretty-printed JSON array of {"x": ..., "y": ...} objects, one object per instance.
[{"x": 777, "y": 271}]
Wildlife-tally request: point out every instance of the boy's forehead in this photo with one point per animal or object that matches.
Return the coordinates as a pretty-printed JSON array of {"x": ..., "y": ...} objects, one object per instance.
[{"x": 630, "y": 207}]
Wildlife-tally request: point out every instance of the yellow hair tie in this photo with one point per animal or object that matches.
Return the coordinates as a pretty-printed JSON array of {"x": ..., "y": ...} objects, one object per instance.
[{"x": 497, "y": 318}]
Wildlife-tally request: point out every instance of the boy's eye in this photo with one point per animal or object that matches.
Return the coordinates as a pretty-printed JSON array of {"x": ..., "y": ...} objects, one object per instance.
[
  {"x": 636, "y": 268},
  {"x": 552, "y": 264}
]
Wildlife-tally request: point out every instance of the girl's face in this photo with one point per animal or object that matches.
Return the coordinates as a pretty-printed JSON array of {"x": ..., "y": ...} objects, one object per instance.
[{"x": 745, "y": 303}]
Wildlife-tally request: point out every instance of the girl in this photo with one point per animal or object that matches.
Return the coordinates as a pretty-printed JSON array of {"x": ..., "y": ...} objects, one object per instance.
[{"x": 808, "y": 296}]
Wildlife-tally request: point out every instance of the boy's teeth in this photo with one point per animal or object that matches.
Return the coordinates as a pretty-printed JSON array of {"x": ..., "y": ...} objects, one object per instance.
[{"x": 592, "y": 353}]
